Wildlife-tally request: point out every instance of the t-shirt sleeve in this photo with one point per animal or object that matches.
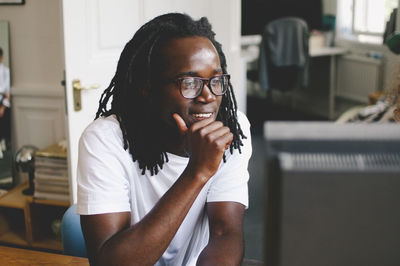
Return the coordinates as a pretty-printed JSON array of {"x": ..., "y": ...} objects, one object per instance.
[
  {"x": 230, "y": 181},
  {"x": 103, "y": 185}
]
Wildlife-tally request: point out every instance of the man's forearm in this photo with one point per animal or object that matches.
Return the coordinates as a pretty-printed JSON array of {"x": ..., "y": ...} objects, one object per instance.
[
  {"x": 224, "y": 249},
  {"x": 146, "y": 241}
]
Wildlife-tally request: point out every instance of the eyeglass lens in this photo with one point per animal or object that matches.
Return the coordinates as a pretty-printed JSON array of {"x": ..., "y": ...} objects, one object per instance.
[{"x": 191, "y": 87}]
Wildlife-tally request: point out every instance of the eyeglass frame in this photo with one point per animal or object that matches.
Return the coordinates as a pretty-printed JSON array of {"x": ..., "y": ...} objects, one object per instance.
[{"x": 178, "y": 81}]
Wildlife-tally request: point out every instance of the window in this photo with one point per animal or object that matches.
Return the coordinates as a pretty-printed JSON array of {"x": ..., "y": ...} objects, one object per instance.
[{"x": 364, "y": 20}]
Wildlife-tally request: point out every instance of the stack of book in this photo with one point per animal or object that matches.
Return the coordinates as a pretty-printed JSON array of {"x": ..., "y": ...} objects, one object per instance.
[{"x": 51, "y": 174}]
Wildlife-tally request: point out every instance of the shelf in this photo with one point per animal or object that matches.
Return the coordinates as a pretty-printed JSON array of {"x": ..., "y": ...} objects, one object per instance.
[
  {"x": 12, "y": 226},
  {"x": 15, "y": 198},
  {"x": 52, "y": 202},
  {"x": 48, "y": 243},
  {"x": 42, "y": 218},
  {"x": 14, "y": 237},
  {"x": 27, "y": 222}
]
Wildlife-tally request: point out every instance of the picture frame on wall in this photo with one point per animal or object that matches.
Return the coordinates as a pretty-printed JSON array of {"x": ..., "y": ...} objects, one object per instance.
[{"x": 12, "y": 2}]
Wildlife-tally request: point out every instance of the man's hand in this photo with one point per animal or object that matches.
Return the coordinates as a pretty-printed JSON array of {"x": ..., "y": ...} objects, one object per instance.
[{"x": 205, "y": 143}]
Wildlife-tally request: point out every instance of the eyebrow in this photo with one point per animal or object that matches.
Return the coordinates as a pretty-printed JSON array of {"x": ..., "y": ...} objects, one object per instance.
[{"x": 193, "y": 73}]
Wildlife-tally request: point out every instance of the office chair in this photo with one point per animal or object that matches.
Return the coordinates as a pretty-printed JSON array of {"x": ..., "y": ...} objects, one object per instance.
[
  {"x": 284, "y": 55},
  {"x": 73, "y": 242}
]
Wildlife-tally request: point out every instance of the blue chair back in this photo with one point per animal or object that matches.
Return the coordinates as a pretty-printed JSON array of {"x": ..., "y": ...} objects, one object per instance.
[{"x": 72, "y": 237}]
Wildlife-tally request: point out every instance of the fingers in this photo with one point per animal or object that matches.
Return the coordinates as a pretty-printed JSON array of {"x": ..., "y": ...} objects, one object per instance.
[
  {"x": 180, "y": 124},
  {"x": 217, "y": 135},
  {"x": 228, "y": 138},
  {"x": 210, "y": 131},
  {"x": 222, "y": 137},
  {"x": 182, "y": 127},
  {"x": 202, "y": 123},
  {"x": 203, "y": 131},
  {"x": 214, "y": 131}
]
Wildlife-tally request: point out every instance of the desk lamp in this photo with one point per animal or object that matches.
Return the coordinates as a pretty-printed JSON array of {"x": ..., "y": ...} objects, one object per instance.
[{"x": 24, "y": 161}]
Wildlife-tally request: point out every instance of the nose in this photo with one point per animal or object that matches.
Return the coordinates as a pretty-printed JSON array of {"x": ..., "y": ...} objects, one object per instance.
[{"x": 206, "y": 95}]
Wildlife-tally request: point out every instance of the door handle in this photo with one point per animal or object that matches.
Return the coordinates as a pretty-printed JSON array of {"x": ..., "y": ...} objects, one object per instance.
[{"x": 77, "y": 87}]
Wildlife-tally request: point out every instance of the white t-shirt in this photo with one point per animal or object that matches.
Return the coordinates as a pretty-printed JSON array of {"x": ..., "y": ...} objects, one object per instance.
[{"x": 109, "y": 181}]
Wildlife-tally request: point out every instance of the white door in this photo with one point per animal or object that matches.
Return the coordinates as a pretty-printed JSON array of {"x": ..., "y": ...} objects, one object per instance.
[
  {"x": 92, "y": 46},
  {"x": 95, "y": 32}
]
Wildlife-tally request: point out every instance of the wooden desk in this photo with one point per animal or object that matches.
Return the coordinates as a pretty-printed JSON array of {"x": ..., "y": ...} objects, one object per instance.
[
  {"x": 26, "y": 221},
  {"x": 332, "y": 52},
  {"x": 16, "y": 256}
]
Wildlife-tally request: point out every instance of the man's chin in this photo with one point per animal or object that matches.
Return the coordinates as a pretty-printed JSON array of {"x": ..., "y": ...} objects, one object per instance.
[{"x": 169, "y": 131}]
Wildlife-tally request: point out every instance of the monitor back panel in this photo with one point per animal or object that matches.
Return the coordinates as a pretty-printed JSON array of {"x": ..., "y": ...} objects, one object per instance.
[{"x": 333, "y": 214}]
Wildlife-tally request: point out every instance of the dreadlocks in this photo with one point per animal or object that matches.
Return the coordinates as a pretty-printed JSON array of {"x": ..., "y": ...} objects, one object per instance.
[{"x": 135, "y": 73}]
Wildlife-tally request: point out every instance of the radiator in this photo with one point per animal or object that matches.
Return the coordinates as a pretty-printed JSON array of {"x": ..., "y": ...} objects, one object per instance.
[{"x": 358, "y": 76}]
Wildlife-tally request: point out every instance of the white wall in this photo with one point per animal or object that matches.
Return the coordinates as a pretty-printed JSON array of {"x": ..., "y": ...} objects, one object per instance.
[
  {"x": 36, "y": 45},
  {"x": 37, "y": 66}
]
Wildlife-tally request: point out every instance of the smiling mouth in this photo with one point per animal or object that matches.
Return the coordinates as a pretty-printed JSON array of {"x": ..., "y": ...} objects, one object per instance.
[{"x": 200, "y": 116}]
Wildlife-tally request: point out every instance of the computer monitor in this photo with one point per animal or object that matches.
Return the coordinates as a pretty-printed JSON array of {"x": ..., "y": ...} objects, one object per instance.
[{"x": 333, "y": 194}]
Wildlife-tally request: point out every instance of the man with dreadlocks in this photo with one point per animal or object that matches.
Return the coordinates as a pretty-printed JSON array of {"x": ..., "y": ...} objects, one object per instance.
[{"x": 162, "y": 171}]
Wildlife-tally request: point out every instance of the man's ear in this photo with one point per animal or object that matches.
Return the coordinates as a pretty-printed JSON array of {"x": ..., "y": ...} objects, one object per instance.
[{"x": 145, "y": 92}]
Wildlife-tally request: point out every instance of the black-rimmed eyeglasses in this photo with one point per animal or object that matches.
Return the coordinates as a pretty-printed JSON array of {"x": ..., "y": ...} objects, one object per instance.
[{"x": 191, "y": 87}]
